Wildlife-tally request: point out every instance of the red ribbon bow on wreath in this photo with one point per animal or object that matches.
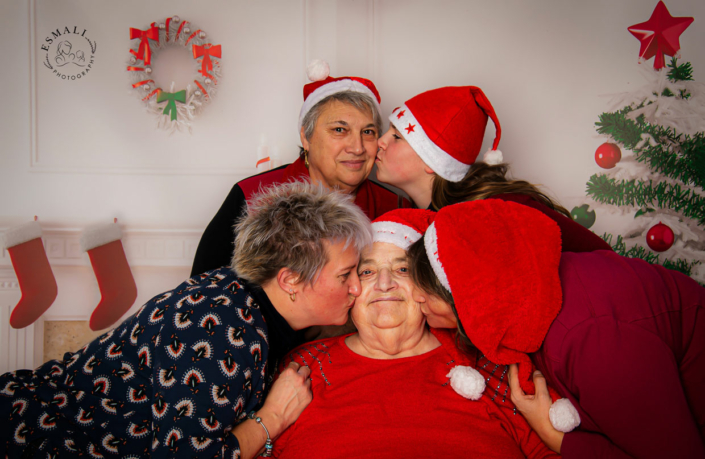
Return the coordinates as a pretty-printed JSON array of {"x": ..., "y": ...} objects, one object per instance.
[
  {"x": 144, "y": 52},
  {"x": 207, "y": 50}
]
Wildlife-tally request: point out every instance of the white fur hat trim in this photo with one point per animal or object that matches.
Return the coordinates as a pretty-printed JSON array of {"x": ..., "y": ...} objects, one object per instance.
[
  {"x": 317, "y": 70},
  {"x": 395, "y": 233},
  {"x": 97, "y": 235},
  {"x": 493, "y": 157},
  {"x": 467, "y": 381},
  {"x": 563, "y": 415},
  {"x": 430, "y": 242},
  {"x": 21, "y": 233},
  {"x": 344, "y": 84},
  {"x": 431, "y": 154}
]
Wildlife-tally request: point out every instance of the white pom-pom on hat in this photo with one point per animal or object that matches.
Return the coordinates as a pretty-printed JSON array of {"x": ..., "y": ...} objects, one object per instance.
[
  {"x": 493, "y": 157},
  {"x": 467, "y": 381},
  {"x": 563, "y": 415},
  {"x": 317, "y": 70}
]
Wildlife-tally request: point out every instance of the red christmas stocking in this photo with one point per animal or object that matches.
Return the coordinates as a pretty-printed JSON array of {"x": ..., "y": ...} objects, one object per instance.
[
  {"x": 117, "y": 286},
  {"x": 37, "y": 282}
]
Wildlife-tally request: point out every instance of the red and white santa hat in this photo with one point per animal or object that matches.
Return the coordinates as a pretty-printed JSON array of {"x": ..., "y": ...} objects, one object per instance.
[
  {"x": 445, "y": 127},
  {"x": 500, "y": 262},
  {"x": 323, "y": 85},
  {"x": 402, "y": 227}
]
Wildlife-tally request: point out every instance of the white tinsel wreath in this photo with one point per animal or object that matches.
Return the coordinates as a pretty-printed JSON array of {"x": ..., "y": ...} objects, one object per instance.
[{"x": 175, "y": 109}]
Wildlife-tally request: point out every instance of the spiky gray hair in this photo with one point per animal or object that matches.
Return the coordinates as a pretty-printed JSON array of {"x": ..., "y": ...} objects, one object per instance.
[{"x": 286, "y": 225}]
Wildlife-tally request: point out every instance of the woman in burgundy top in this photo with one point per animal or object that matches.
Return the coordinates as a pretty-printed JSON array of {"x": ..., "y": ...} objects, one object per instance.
[
  {"x": 621, "y": 339},
  {"x": 430, "y": 150}
]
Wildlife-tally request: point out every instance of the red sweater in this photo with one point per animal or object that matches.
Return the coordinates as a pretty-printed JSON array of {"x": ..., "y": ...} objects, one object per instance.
[{"x": 402, "y": 408}]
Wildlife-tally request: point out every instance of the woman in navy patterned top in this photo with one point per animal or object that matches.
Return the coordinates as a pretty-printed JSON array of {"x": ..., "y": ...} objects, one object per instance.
[{"x": 178, "y": 378}]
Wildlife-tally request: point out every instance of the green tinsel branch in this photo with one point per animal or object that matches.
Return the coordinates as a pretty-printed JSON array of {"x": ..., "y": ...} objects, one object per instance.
[
  {"x": 683, "y": 72},
  {"x": 637, "y": 251},
  {"x": 620, "y": 128},
  {"x": 688, "y": 167},
  {"x": 681, "y": 157},
  {"x": 647, "y": 194}
]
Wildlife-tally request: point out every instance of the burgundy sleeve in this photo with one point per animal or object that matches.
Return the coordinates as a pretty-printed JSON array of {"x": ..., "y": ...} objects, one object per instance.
[
  {"x": 575, "y": 237},
  {"x": 627, "y": 381},
  {"x": 579, "y": 444}
]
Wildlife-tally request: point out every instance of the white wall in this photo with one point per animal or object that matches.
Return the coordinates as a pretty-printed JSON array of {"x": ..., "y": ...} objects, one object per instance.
[{"x": 83, "y": 152}]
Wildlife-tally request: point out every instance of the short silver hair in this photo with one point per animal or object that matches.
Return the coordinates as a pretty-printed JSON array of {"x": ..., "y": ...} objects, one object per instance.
[
  {"x": 286, "y": 226},
  {"x": 359, "y": 100}
]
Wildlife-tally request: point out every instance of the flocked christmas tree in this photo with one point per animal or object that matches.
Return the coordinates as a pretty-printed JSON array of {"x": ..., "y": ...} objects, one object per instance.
[{"x": 654, "y": 158}]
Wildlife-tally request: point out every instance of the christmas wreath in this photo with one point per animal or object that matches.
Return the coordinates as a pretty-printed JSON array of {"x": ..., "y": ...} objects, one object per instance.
[{"x": 177, "y": 108}]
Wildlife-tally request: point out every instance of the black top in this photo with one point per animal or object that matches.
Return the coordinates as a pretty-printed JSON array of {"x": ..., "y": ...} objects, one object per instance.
[
  {"x": 217, "y": 244},
  {"x": 218, "y": 241},
  {"x": 282, "y": 338}
]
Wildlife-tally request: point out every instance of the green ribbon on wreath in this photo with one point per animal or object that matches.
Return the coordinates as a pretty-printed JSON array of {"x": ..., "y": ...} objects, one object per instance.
[{"x": 171, "y": 98}]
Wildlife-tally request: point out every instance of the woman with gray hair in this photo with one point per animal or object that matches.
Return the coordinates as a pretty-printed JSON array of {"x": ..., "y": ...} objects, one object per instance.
[
  {"x": 188, "y": 374},
  {"x": 339, "y": 125}
]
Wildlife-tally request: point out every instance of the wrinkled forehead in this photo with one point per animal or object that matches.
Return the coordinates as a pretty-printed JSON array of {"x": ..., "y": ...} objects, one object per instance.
[{"x": 381, "y": 251}]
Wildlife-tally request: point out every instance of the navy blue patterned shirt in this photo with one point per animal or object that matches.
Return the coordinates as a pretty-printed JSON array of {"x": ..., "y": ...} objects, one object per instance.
[{"x": 167, "y": 382}]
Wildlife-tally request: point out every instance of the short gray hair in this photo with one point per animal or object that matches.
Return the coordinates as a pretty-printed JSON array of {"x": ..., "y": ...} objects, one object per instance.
[
  {"x": 286, "y": 225},
  {"x": 359, "y": 100}
]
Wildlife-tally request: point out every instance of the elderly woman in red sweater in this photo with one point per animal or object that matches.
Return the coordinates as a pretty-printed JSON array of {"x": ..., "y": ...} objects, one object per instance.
[
  {"x": 385, "y": 391},
  {"x": 622, "y": 340}
]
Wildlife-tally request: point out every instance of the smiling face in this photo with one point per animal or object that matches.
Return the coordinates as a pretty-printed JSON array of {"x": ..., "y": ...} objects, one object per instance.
[
  {"x": 342, "y": 148},
  {"x": 327, "y": 300},
  {"x": 386, "y": 300}
]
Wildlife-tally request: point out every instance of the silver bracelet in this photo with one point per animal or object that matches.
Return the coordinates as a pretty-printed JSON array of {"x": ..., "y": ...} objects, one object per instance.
[{"x": 268, "y": 445}]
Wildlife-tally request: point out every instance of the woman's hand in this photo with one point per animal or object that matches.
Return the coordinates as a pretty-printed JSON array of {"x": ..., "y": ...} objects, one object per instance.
[
  {"x": 290, "y": 394},
  {"x": 535, "y": 408}
]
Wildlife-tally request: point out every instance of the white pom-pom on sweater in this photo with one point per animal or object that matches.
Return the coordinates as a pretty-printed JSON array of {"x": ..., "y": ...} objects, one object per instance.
[{"x": 467, "y": 381}]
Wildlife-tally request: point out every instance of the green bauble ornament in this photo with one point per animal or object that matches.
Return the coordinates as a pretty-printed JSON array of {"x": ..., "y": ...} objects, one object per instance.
[{"x": 583, "y": 215}]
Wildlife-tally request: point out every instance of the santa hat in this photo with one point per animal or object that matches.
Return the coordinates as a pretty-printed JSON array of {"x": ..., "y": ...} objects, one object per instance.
[
  {"x": 323, "y": 85},
  {"x": 402, "y": 227},
  {"x": 445, "y": 127},
  {"x": 500, "y": 262}
]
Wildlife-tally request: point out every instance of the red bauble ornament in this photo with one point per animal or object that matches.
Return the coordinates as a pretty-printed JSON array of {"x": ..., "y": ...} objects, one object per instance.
[
  {"x": 607, "y": 155},
  {"x": 660, "y": 237}
]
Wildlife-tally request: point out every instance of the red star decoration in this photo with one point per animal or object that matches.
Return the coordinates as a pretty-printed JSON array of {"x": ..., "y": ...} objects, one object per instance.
[
  {"x": 660, "y": 35},
  {"x": 410, "y": 128},
  {"x": 400, "y": 114}
]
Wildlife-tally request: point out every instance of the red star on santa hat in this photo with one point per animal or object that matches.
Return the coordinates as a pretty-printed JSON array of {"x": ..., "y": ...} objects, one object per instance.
[
  {"x": 400, "y": 114},
  {"x": 410, "y": 128},
  {"x": 660, "y": 35}
]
